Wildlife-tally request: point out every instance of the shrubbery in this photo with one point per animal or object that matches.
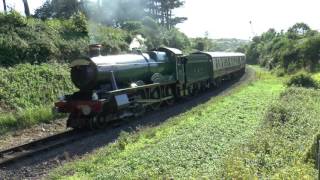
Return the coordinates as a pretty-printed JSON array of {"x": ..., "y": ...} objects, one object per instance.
[
  {"x": 303, "y": 80},
  {"x": 28, "y": 91},
  {"x": 34, "y": 41},
  {"x": 296, "y": 49}
]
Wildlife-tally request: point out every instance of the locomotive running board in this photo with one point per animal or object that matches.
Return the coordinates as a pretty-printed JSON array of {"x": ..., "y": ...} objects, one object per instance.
[
  {"x": 151, "y": 101},
  {"x": 141, "y": 87}
]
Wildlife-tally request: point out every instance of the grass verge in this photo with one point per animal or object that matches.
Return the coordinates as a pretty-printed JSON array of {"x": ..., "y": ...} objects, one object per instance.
[
  {"x": 191, "y": 145},
  {"x": 284, "y": 146},
  {"x": 27, "y": 118}
]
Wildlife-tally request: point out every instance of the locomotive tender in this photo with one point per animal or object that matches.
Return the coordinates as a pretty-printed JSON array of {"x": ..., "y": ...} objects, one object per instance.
[{"x": 119, "y": 86}]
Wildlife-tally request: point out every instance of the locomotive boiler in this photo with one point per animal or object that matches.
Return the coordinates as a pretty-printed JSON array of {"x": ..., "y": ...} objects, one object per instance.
[{"x": 122, "y": 71}]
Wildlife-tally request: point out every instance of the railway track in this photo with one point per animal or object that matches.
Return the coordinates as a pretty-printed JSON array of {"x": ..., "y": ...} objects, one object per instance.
[{"x": 14, "y": 154}]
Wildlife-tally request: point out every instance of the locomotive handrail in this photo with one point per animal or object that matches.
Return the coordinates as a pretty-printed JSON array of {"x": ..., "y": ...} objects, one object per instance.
[{"x": 141, "y": 87}]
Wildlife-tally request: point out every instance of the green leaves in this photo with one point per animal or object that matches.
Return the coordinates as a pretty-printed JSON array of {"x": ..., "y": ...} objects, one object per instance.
[
  {"x": 28, "y": 40},
  {"x": 28, "y": 92},
  {"x": 303, "y": 80},
  {"x": 28, "y": 85},
  {"x": 296, "y": 49}
]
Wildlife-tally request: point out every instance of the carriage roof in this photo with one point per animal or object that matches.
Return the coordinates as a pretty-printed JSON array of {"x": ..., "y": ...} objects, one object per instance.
[{"x": 221, "y": 54}]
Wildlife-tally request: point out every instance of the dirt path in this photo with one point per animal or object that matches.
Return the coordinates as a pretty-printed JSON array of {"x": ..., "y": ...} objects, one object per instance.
[{"x": 38, "y": 167}]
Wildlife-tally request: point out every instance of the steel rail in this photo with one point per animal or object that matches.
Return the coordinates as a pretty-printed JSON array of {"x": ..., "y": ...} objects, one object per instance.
[{"x": 16, "y": 153}]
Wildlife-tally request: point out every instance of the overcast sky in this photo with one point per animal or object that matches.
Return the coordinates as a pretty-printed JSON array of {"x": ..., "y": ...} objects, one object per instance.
[{"x": 230, "y": 18}]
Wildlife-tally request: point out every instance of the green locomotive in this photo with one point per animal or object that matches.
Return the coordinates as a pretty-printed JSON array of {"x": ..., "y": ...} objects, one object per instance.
[{"x": 120, "y": 86}]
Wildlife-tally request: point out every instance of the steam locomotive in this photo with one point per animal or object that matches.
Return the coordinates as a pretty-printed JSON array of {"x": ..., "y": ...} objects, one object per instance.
[{"x": 120, "y": 86}]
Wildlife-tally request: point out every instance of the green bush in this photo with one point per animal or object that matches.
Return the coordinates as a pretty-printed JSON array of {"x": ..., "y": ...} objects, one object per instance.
[
  {"x": 29, "y": 40},
  {"x": 26, "y": 85},
  {"x": 278, "y": 114},
  {"x": 302, "y": 80},
  {"x": 28, "y": 92}
]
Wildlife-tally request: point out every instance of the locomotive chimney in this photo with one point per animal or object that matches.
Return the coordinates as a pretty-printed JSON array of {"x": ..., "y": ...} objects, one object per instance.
[{"x": 95, "y": 50}]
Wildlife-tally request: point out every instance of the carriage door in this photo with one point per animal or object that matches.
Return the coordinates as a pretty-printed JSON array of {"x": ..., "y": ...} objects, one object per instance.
[{"x": 181, "y": 77}]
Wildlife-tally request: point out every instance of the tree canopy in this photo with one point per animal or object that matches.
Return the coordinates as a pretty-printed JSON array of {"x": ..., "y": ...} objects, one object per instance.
[
  {"x": 298, "y": 48},
  {"x": 114, "y": 12}
]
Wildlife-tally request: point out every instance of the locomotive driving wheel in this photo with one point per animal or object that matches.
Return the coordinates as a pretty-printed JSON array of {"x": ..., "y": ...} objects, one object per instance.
[
  {"x": 97, "y": 122},
  {"x": 101, "y": 122},
  {"x": 92, "y": 123}
]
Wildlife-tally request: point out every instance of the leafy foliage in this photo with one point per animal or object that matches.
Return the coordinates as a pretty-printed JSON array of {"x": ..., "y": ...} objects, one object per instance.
[
  {"x": 113, "y": 40},
  {"x": 303, "y": 80},
  {"x": 28, "y": 85},
  {"x": 296, "y": 49},
  {"x": 28, "y": 91},
  {"x": 34, "y": 41},
  {"x": 114, "y": 13}
]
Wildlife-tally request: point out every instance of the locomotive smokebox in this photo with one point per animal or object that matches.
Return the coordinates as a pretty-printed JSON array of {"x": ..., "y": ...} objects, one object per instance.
[{"x": 95, "y": 50}]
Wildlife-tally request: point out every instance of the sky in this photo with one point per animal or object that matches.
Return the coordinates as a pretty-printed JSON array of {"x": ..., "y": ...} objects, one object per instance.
[
  {"x": 230, "y": 18},
  {"x": 18, "y": 5}
]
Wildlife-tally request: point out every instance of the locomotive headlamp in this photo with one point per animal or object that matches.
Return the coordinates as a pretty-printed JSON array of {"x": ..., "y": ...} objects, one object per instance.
[{"x": 86, "y": 110}]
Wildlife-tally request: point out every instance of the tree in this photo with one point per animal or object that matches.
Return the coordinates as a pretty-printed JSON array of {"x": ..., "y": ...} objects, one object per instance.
[
  {"x": 176, "y": 39},
  {"x": 203, "y": 44},
  {"x": 310, "y": 50},
  {"x": 4, "y": 6},
  {"x": 59, "y": 9},
  {"x": 26, "y": 7},
  {"x": 298, "y": 30},
  {"x": 45, "y": 11},
  {"x": 162, "y": 12}
]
